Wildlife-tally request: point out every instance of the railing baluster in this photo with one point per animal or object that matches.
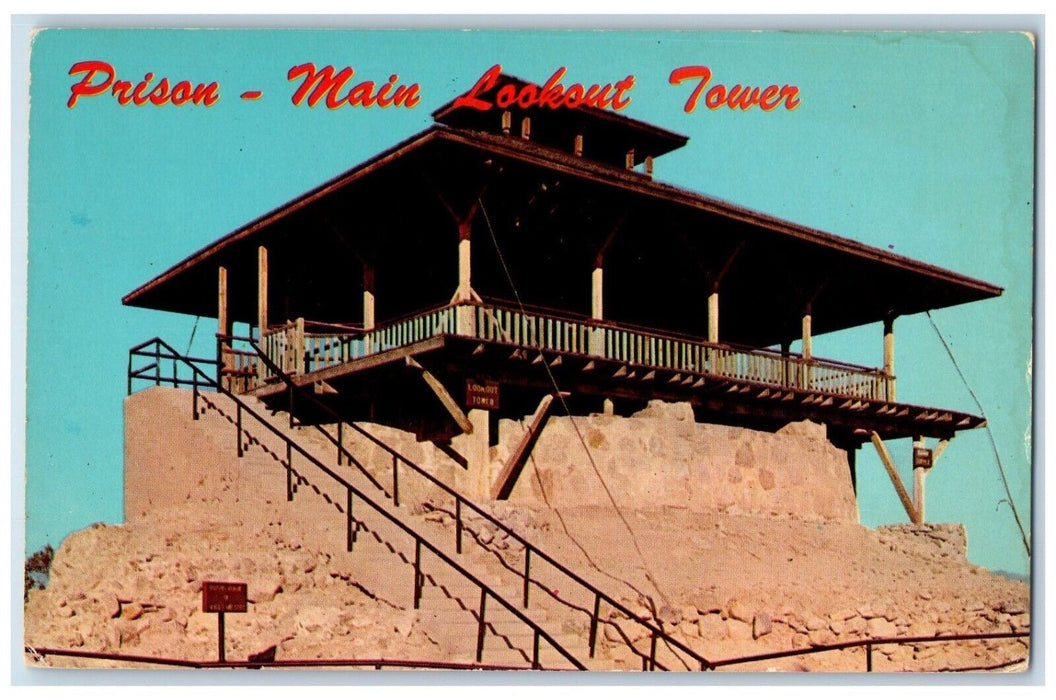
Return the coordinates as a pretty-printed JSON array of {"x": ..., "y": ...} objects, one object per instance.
[
  {"x": 594, "y": 623},
  {"x": 194, "y": 404},
  {"x": 340, "y": 442},
  {"x": 535, "y": 650},
  {"x": 289, "y": 472},
  {"x": 458, "y": 524},
  {"x": 238, "y": 426},
  {"x": 418, "y": 574},
  {"x": 480, "y": 625},
  {"x": 527, "y": 573},
  {"x": 157, "y": 364},
  {"x": 652, "y": 652},
  {"x": 350, "y": 537},
  {"x": 395, "y": 482}
]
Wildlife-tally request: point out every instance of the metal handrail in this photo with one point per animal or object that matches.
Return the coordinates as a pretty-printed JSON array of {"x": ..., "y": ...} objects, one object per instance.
[
  {"x": 460, "y": 501},
  {"x": 868, "y": 643},
  {"x": 352, "y": 490},
  {"x": 377, "y": 664}
]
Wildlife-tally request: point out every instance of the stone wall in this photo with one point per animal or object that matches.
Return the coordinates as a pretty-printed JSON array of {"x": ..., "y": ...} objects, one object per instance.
[{"x": 660, "y": 456}]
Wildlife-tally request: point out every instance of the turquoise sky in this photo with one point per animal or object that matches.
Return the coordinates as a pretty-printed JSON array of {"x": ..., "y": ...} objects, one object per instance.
[{"x": 918, "y": 143}]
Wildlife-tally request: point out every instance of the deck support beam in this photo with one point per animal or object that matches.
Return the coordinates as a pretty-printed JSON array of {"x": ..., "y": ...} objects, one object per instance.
[
  {"x": 511, "y": 471},
  {"x": 896, "y": 480},
  {"x": 446, "y": 400},
  {"x": 918, "y": 481}
]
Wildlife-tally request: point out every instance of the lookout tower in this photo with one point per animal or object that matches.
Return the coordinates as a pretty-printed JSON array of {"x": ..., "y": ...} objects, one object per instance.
[{"x": 502, "y": 263}]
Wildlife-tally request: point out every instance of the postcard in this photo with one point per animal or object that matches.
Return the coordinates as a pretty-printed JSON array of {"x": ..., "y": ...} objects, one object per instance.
[{"x": 644, "y": 351}]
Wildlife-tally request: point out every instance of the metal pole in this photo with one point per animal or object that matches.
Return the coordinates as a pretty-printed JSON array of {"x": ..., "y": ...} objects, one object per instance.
[
  {"x": 652, "y": 653},
  {"x": 869, "y": 658},
  {"x": 527, "y": 570},
  {"x": 418, "y": 574},
  {"x": 238, "y": 426},
  {"x": 220, "y": 637},
  {"x": 349, "y": 539},
  {"x": 194, "y": 405},
  {"x": 395, "y": 482},
  {"x": 289, "y": 472},
  {"x": 340, "y": 442},
  {"x": 535, "y": 651},
  {"x": 594, "y": 623},
  {"x": 480, "y": 625},
  {"x": 157, "y": 364},
  {"x": 458, "y": 524}
]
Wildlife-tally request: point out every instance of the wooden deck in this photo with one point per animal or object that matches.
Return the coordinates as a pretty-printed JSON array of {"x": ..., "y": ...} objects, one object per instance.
[{"x": 586, "y": 357}]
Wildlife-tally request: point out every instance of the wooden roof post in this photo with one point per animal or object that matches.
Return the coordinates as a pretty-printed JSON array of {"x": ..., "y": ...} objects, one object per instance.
[
  {"x": 368, "y": 307},
  {"x": 262, "y": 306},
  {"x": 713, "y": 314},
  {"x": 889, "y": 356},
  {"x": 223, "y": 323},
  {"x": 597, "y": 305},
  {"x": 262, "y": 292},
  {"x": 368, "y": 296},
  {"x": 464, "y": 313},
  {"x": 806, "y": 333}
]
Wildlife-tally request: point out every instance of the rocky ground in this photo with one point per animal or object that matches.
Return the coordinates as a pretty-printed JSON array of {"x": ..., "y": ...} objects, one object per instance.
[
  {"x": 726, "y": 585},
  {"x": 723, "y": 582}
]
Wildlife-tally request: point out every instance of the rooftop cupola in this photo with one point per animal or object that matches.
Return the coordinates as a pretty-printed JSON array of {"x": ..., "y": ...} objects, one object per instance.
[{"x": 569, "y": 117}]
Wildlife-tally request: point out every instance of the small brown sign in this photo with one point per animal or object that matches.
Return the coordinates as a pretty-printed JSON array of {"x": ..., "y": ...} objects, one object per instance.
[
  {"x": 921, "y": 458},
  {"x": 219, "y": 597},
  {"x": 482, "y": 395}
]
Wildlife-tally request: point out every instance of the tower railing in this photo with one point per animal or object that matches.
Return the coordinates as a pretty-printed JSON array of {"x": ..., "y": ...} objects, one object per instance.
[{"x": 296, "y": 350}]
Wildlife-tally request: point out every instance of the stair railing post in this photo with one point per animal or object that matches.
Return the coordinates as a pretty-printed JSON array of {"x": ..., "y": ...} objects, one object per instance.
[
  {"x": 652, "y": 652},
  {"x": 194, "y": 390},
  {"x": 869, "y": 658},
  {"x": 458, "y": 524},
  {"x": 480, "y": 625},
  {"x": 238, "y": 426},
  {"x": 129, "y": 373},
  {"x": 535, "y": 651},
  {"x": 350, "y": 535},
  {"x": 418, "y": 573},
  {"x": 594, "y": 623},
  {"x": 157, "y": 364},
  {"x": 395, "y": 482},
  {"x": 527, "y": 572},
  {"x": 289, "y": 472}
]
